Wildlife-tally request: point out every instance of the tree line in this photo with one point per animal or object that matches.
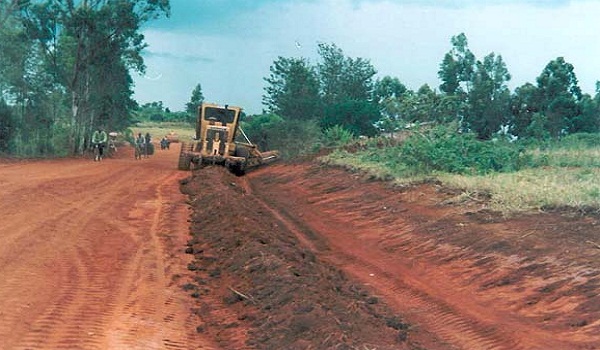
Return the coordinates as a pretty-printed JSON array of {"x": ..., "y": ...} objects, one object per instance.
[
  {"x": 473, "y": 93},
  {"x": 65, "y": 69},
  {"x": 157, "y": 112}
]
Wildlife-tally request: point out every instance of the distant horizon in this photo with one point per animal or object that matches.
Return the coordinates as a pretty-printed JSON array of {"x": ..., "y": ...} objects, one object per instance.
[{"x": 229, "y": 52}]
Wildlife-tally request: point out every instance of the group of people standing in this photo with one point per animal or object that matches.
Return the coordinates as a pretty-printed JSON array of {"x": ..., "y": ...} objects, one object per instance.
[{"x": 143, "y": 146}]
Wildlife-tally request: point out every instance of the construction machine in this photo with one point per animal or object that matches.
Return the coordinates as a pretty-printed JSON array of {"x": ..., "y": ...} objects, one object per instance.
[{"x": 216, "y": 142}]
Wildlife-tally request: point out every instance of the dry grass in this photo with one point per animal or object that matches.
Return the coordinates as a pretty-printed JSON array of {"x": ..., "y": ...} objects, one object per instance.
[
  {"x": 571, "y": 180},
  {"x": 158, "y": 130},
  {"x": 534, "y": 189},
  {"x": 581, "y": 157}
]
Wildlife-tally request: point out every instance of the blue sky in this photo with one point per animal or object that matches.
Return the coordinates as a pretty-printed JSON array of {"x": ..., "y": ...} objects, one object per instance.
[{"x": 228, "y": 45}]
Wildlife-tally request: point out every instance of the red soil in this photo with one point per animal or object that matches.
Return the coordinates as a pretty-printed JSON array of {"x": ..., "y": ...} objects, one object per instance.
[{"x": 291, "y": 256}]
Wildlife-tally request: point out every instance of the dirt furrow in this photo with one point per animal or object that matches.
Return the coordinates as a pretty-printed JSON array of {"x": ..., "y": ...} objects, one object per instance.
[
  {"x": 451, "y": 327},
  {"x": 408, "y": 247}
]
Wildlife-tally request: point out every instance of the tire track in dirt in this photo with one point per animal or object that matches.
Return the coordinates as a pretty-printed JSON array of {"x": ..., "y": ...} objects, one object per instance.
[
  {"x": 31, "y": 203},
  {"x": 405, "y": 273},
  {"x": 93, "y": 258},
  {"x": 65, "y": 230},
  {"x": 158, "y": 325},
  {"x": 89, "y": 241},
  {"x": 441, "y": 319}
]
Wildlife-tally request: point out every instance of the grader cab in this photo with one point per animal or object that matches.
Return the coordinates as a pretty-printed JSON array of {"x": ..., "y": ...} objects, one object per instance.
[{"x": 215, "y": 142}]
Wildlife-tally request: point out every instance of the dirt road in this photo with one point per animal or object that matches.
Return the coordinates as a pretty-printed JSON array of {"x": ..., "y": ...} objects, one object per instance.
[
  {"x": 90, "y": 255},
  {"x": 291, "y": 256}
]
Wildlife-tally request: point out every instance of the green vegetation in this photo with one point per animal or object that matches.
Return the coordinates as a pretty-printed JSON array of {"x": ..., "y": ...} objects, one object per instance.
[
  {"x": 516, "y": 176},
  {"x": 291, "y": 137},
  {"x": 577, "y": 150},
  {"x": 536, "y": 147},
  {"x": 65, "y": 70},
  {"x": 444, "y": 149},
  {"x": 155, "y": 112}
]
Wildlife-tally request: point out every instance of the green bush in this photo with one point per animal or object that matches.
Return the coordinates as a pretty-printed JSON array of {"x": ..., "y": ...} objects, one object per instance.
[
  {"x": 444, "y": 149},
  {"x": 290, "y": 137},
  {"x": 337, "y": 136},
  {"x": 578, "y": 141},
  {"x": 129, "y": 136}
]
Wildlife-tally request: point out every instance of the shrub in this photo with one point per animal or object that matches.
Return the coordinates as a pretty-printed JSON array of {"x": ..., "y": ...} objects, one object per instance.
[
  {"x": 290, "y": 137},
  {"x": 575, "y": 150},
  {"x": 578, "y": 141},
  {"x": 444, "y": 149},
  {"x": 337, "y": 136}
]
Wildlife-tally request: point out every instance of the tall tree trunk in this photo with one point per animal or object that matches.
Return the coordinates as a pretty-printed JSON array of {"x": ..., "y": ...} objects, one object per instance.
[{"x": 74, "y": 117}]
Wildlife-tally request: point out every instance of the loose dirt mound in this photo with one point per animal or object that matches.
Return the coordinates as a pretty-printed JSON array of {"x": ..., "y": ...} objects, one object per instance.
[
  {"x": 305, "y": 257},
  {"x": 259, "y": 287}
]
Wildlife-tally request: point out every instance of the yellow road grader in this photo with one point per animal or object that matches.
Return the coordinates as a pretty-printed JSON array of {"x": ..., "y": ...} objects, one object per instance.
[{"x": 216, "y": 142}]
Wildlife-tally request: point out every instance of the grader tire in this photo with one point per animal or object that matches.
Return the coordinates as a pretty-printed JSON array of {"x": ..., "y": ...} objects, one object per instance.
[
  {"x": 185, "y": 159},
  {"x": 237, "y": 168},
  {"x": 241, "y": 151}
]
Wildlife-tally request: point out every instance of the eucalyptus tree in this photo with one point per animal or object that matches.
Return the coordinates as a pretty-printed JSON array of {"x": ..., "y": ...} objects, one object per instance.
[
  {"x": 458, "y": 67},
  {"x": 386, "y": 91},
  {"x": 11, "y": 40},
  {"x": 25, "y": 84},
  {"x": 8, "y": 8},
  {"x": 196, "y": 100},
  {"x": 386, "y": 88},
  {"x": 347, "y": 91},
  {"x": 387, "y": 94},
  {"x": 90, "y": 47},
  {"x": 9, "y": 52},
  {"x": 560, "y": 95},
  {"x": 13, "y": 48},
  {"x": 293, "y": 90},
  {"x": 525, "y": 105},
  {"x": 456, "y": 72},
  {"x": 391, "y": 109},
  {"x": 344, "y": 78},
  {"x": 589, "y": 118},
  {"x": 357, "y": 79},
  {"x": 330, "y": 72},
  {"x": 488, "y": 97}
]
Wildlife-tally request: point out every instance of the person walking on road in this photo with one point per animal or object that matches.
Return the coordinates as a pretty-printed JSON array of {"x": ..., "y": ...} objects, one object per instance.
[
  {"x": 148, "y": 140},
  {"x": 140, "y": 146},
  {"x": 99, "y": 139}
]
